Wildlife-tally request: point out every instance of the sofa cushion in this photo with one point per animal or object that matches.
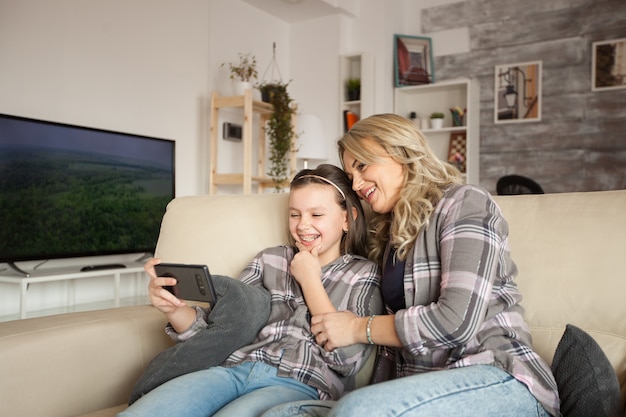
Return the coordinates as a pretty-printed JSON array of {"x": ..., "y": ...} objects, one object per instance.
[{"x": 587, "y": 383}]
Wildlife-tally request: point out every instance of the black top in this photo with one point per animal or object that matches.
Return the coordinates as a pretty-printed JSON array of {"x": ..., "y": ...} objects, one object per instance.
[{"x": 392, "y": 285}]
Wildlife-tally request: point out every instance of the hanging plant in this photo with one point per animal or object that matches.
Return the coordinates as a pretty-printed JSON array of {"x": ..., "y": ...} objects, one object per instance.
[{"x": 279, "y": 130}]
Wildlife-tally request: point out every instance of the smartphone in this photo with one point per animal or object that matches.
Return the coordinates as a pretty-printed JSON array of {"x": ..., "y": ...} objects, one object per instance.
[{"x": 193, "y": 281}]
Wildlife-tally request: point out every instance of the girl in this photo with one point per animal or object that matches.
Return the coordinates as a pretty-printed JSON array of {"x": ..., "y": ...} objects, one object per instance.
[{"x": 324, "y": 270}]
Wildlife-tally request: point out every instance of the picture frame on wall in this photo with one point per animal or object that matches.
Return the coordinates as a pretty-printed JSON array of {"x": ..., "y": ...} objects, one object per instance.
[
  {"x": 517, "y": 92},
  {"x": 608, "y": 65},
  {"x": 413, "y": 60}
]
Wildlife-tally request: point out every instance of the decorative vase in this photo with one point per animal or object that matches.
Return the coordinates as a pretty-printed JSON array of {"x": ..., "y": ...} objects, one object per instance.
[
  {"x": 354, "y": 95},
  {"x": 436, "y": 123},
  {"x": 268, "y": 91},
  {"x": 241, "y": 87},
  {"x": 457, "y": 119}
]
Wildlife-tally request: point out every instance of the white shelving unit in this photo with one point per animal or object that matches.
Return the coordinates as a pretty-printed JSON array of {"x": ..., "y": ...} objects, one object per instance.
[
  {"x": 356, "y": 66},
  {"x": 70, "y": 275},
  {"x": 441, "y": 97}
]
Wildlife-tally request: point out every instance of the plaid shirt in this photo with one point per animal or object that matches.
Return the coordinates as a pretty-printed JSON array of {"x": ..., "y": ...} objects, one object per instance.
[
  {"x": 352, "y": 283},
  {"x": 462, "y": 302}
]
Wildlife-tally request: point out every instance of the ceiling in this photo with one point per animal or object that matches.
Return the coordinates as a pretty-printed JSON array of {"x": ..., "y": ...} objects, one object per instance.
[{"x": 292, "y": 11}]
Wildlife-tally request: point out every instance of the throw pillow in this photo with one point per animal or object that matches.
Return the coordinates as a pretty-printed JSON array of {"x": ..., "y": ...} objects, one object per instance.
[{"x": 587, "y": 383}]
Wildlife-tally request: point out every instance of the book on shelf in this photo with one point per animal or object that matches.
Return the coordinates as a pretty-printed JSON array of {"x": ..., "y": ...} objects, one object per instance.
[{"x": 349, "y": 119}]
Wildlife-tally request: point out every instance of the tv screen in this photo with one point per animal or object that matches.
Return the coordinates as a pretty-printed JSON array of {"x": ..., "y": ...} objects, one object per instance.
[{"x": 69, "y": 191}]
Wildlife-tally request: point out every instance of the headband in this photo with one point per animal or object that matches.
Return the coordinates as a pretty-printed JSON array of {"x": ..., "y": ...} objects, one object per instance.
[{"x": 326, "y": 180}]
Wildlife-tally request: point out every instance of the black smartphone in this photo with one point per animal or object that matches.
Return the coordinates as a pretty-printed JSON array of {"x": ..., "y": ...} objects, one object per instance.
[{"x": 193, "y": 281}]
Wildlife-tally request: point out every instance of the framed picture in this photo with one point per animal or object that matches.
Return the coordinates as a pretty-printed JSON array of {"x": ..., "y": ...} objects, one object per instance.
[
  {"x": 457, "y": 154},
  {"x": 413, "y": 57},
  {"x": 517, "y": 92},
  {"x": 608, "y": 65}
]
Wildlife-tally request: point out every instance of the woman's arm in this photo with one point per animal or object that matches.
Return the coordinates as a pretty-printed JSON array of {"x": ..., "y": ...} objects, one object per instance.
[
  {"x": 349, "y": 327},
  {"x": 344, "y": 328},
  {"x": 470, "y": 240}
]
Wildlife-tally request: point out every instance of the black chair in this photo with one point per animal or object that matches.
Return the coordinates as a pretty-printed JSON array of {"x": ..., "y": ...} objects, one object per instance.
[{"x": 517, "y": 184}]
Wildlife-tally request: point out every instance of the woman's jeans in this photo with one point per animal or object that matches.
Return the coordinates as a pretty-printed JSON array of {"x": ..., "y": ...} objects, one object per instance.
[
  {"x": 246, "y": 390},
  {"x": 476, "y": 391}
]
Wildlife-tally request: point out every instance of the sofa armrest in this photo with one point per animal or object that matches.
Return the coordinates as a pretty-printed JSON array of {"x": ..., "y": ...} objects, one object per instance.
[{"x": 77, "y": 363}]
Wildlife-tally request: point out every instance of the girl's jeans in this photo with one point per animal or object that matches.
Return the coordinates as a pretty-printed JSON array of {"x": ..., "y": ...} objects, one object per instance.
[
  {"x": 472, "y": 391},
  {"x": 246, "y": 390}
]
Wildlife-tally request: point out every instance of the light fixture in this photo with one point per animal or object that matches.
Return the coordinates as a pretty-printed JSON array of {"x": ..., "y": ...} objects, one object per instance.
[
  {"x": 311, "y": 139},
  {"x": 510, "y": 93}
]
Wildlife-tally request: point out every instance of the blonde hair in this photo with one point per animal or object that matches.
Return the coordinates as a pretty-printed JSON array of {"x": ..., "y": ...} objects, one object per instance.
[{"x": 426, "y": 178}]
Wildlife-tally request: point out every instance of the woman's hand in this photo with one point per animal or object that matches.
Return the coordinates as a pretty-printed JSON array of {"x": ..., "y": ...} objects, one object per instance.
[
  {"x": 334, "y": 330},
  {"x": 161, "y": 298}
]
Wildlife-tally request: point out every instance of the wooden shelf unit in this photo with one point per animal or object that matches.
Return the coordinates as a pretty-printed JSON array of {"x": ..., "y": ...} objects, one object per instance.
[{"x": 250, "y": 108}]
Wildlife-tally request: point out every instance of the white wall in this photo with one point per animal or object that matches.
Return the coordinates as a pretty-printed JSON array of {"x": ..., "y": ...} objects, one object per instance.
[
  {"x": 140, "y": 66},
  {"x": 315, "y": 72},
  {"x": 149, "y": 67},
  {"x": 236, "y": 27}
]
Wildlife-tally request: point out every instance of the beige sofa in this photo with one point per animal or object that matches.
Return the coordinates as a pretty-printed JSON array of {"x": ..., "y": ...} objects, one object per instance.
[{"x": 569, "y": 248}]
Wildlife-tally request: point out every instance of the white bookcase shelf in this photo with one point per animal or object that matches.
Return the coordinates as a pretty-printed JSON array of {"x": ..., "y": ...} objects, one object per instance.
[
  {"x": 359, "y": 66},
  {"x": 70, "y": 275},
  {"x": 441, "y": 97}
]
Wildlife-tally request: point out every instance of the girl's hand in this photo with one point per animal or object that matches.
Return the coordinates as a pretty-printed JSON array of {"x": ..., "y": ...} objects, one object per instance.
[
  {"x": 161, "y": 298},
  {"x": 305, "y": 264},
  {"x": 334, "y": 330}
]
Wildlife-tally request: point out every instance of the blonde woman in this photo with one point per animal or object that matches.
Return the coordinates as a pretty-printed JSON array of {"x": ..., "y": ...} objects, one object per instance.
[{"x": 454, "y": 323}]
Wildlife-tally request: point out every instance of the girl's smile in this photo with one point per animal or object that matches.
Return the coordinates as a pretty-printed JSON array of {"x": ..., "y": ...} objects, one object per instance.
[{"x": 317, "y": 221}]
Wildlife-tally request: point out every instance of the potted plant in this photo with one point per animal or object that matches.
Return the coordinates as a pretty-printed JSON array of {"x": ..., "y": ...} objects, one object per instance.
[
  {"x": 279, "y": 130},
  {"x": 436, "y": 120},
  {"x": 354, "y": 89},
  {"x": 243, "y": 73}
]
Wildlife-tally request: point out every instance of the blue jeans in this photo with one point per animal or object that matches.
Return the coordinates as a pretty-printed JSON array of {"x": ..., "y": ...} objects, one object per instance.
[
  {"x": 476, "y": 391},
  {"x": 246, "y": 390}
]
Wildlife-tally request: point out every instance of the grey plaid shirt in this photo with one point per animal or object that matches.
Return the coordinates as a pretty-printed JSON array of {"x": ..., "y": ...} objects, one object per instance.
[
  {"x": 286, "y": 342},
  {"x": 461, "y": 264}
]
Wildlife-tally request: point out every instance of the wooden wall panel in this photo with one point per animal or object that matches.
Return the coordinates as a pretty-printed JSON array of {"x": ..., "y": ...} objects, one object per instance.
[{"x": 580, "y": 142}]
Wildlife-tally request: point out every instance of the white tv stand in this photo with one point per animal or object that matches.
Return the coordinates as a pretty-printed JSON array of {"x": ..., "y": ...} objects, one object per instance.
[{"x": 68, "y": 274}]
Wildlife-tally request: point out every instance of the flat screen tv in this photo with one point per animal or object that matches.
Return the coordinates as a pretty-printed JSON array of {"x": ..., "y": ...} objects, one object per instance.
[{"x": 69, "y": 191}]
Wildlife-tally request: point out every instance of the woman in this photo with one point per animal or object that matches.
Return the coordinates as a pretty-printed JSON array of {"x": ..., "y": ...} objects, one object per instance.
[
  {"x": 454, "y": 320},
  {"x": 324, "y": 270}
]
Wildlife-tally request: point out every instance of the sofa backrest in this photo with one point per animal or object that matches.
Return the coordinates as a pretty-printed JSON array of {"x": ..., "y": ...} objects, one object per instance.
[
  {"x": 222, "y": 231},
  {"x": 568, "y": 248},
  {"x": 72, "y": 364}
]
